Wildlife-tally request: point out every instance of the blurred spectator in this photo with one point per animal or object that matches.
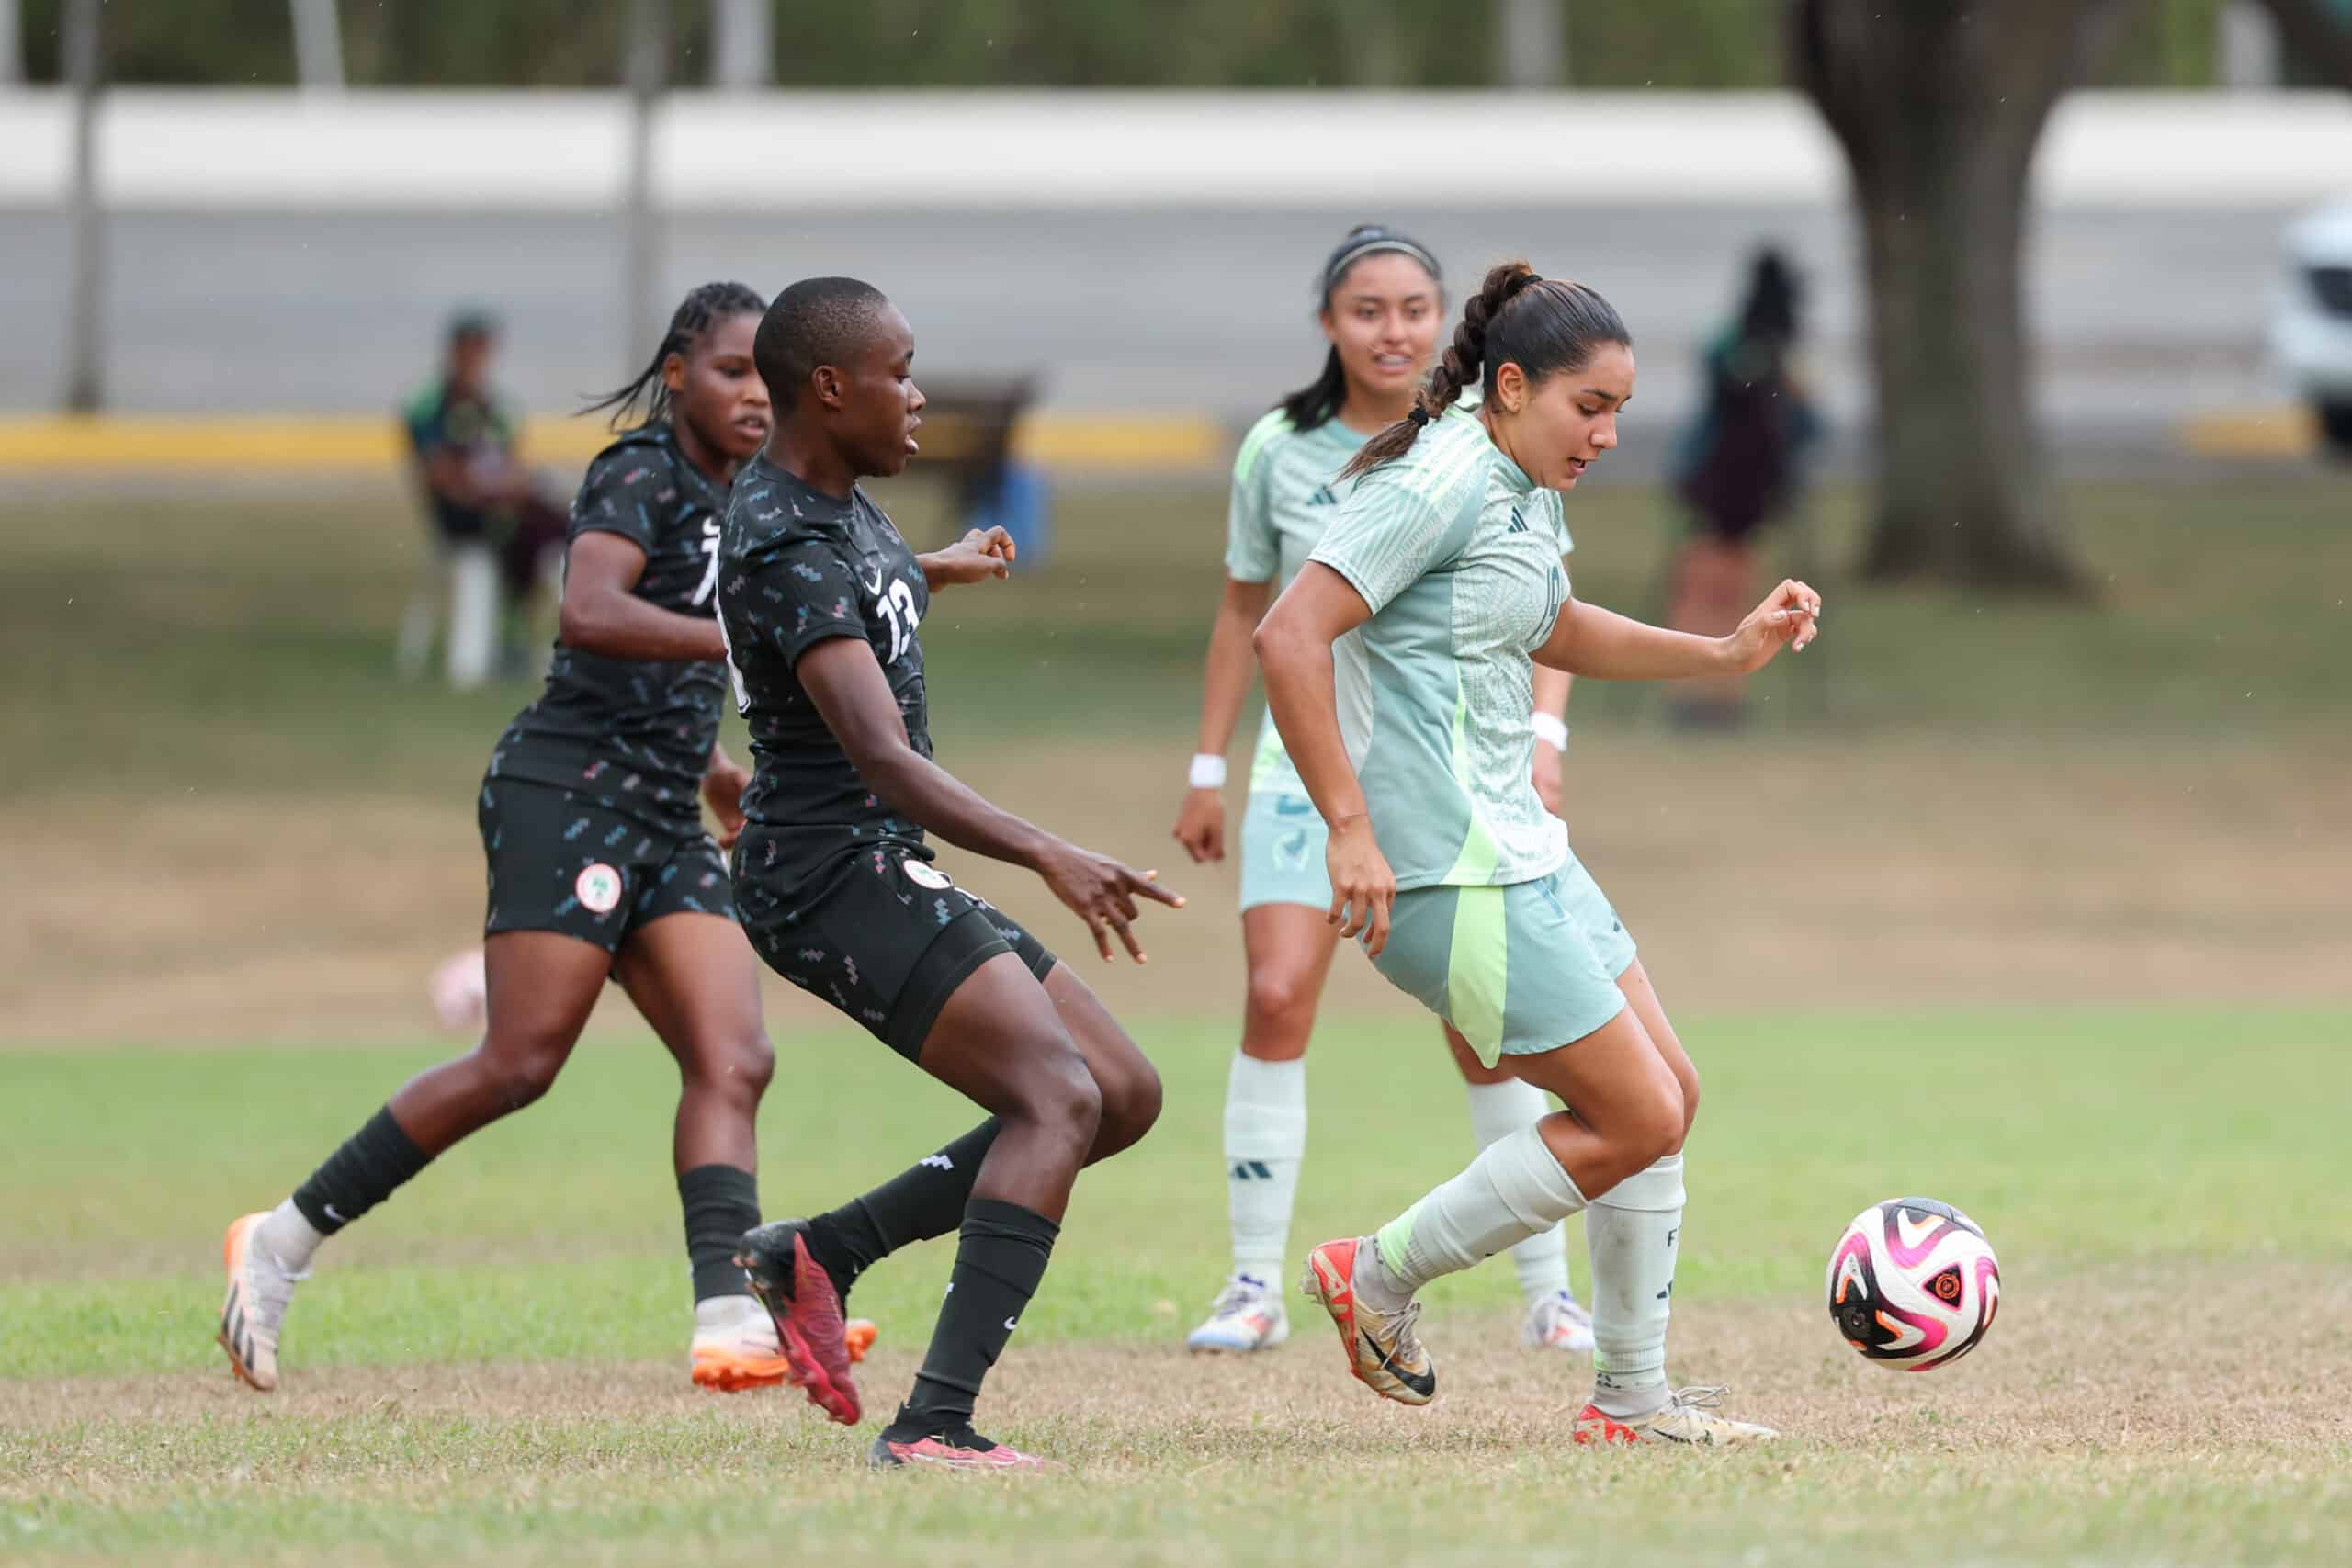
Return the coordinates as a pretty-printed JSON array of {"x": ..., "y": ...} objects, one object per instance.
[
  {"x": 1738, "y": 468},
  {"x": 496, "y": 538}
]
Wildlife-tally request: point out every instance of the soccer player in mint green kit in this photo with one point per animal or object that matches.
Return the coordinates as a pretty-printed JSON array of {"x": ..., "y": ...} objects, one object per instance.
[
  {"x": 1397, "y": 667},
  {"x": 1383, "y": 308}
]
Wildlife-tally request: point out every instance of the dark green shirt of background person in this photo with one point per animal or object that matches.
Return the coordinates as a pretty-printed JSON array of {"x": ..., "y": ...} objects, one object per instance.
[{"x": 463, "y": 434}]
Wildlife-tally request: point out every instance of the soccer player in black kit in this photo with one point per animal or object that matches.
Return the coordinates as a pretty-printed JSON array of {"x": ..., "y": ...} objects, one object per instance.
[
  {"x": 820, "y": 600},
  {"x": 598, "y": 863}
]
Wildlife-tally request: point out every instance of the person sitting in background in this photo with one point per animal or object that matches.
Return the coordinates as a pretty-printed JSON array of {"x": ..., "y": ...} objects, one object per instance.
[
  {"x": 495, "y": 534},
  {"x": 1737, "y": 470}
]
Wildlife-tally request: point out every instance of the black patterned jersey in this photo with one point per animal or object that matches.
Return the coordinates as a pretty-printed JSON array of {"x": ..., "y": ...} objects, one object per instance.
[
  {"x": 797, "y": 566},
  {"x": 635, "y": 734}
]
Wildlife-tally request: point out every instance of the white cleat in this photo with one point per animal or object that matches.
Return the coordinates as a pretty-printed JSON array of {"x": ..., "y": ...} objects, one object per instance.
[
  {"x": 1690, "y": 1417},
  {"x": 1557, "y": 1322},
  {"x": 254, "y": 1309},
  {"x": 1248, "y": 1315}
]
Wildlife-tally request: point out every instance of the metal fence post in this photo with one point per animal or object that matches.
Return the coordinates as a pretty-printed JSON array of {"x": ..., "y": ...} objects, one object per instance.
[{"x": 85, "y": 239}]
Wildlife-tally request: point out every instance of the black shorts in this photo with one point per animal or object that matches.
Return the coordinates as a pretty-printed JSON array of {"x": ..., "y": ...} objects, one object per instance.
[
  {"x": 879, "y": 932},
  {"x": 560, "y": 861}
]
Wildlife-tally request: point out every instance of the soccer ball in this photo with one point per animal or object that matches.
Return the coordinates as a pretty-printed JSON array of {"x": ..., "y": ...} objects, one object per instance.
[{"x": 1913, "y": 1284}]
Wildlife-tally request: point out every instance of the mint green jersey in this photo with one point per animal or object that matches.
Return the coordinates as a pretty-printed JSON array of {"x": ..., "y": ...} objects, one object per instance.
[
  {"x": 1458, "y": 555},
  {"x": 1284, "y": 497}
]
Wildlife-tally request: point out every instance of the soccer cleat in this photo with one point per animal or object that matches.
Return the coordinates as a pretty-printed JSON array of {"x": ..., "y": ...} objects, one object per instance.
[
  {"x": 1383, "y": 1352},
  {"x": 1557, "y": 1322},
  {"x": 254, "y": 1309},
  {"x": 800, "y": 1296},
  {"x": 965, "y": 1450},
  {"x": 1248, "y": 1315},
  {"x": 1689, "y": 1416},
  {"x": 748, "y": 1353}
]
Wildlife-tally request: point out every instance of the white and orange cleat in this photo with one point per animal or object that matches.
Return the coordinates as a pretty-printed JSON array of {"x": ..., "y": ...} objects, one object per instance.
[
  {"x": 1384, "y": 1353},
  {"x": 1248, "y": 1315},
  {"x": 254, "y": 1311},
  {"x": 1689, "y": 1416},
  {"x": 744, "y": 1351},
  {"x": 1557, "y": 1322}
]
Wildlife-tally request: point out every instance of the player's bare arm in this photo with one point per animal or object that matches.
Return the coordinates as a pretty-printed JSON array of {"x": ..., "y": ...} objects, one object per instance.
[
  {"x": 601, "y": 614},
  {"x": 1294, "y": 645},
  {"x": 1589, "y": 640},
  {"x": 1200, "y": 822},
  {"x": 851, "y": 693},
  {"x": 982, "y": 555}
]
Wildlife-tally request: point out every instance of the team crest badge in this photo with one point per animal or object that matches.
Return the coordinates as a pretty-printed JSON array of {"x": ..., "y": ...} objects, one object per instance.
[
  {"x": 599, "y": 888},
  {"x": 926, "y": 875}
]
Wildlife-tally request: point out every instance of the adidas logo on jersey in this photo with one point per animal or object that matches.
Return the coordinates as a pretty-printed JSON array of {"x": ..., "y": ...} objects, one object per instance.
[
  {"x": 1517, "y": 523},
  {"x": 1322, "y": 497}
]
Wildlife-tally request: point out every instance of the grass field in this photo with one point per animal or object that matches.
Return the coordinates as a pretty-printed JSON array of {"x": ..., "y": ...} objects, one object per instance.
[
  {"x": 491, "y": 1367},
  {"x": 2042, "y": 909}
]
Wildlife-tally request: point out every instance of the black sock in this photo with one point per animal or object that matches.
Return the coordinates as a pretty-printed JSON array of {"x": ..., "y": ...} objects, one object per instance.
[
  {"x": 998, "y": 1264},
  {"x": 363, "y": 1173},
  {"x": 721, "y": 1203},
  {"x": 925, "y": 1200}
]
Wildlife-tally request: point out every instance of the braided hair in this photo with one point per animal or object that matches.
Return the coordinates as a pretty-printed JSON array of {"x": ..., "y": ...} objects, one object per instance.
[
  {"x": 709, "y": 303},
  {"x": 1543, "y": 325},
  {"x": 1319, "y": 401}
]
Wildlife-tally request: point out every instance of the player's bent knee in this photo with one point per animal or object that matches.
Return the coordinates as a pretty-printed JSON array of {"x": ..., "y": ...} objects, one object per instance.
[
  {"x": 1280, "y": 1004},
  {"x": 751, "y": 1065},
  {"x": 1131, "y": 1105},
  {"x": 517, "y": 1077},
  {"x": 1062, "y": 1094}
]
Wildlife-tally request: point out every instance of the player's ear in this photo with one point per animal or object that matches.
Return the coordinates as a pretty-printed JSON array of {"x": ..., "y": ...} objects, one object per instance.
[
  {"x": 674, "y": 372},
  {"x": 825, "y": 382},
  {"x": 1511, "y": 387}
]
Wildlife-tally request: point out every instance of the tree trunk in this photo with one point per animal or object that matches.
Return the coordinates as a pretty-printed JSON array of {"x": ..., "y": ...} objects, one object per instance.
[{"x": 1938, "y": 106}]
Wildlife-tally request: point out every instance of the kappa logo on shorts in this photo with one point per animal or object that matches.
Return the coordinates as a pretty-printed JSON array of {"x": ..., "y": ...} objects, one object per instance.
[
  {"x": 599, "y": 887},
  {"x": 926, "y": 875}
]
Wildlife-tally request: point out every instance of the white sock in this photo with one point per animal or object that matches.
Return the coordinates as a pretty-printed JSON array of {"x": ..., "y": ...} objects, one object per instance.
[
  {"x": 1265, "y": 1141},
  {"x": 1514, "y": 1189},
  {"x": 1633, "y": 1231},
  {"x": 724, "y": 1312},
  {"x": 1497, "y": 1110},
  {"x": 289, "y": 1237}
]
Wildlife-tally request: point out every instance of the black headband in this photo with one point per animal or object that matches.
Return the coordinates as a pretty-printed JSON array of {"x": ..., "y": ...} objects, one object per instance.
[{"x": 1372, "y": 244}]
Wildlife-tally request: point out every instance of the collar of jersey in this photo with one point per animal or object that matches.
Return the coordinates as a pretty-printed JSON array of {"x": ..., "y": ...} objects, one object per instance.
[{"x": 1514, "y": 477}]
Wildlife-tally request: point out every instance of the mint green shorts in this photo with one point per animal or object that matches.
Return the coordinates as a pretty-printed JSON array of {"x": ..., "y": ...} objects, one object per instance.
[
  {"x": 1282, "y": 844},
  {"x": 1518, "y": 970}
]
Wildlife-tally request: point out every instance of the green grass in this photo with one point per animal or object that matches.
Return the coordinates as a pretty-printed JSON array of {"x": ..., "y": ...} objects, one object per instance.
[
  {"x": 243, "y": 643},
  {"x": 2076, "y": 1138},
  {"x": 2102, "y": 1149}
]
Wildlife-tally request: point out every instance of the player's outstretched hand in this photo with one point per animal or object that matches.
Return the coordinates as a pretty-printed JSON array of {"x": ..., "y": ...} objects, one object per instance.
[
  {"x": 1103, "y": 893},
  {"x": 1200, "y": 825},
  {"x": 1363, "y": 887},
  {"x": 1789, "y": 617},
  {"x": 976, "y": 557}
]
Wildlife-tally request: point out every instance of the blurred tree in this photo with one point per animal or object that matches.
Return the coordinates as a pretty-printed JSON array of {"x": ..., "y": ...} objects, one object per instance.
[{"x": 1939, "y": 106}]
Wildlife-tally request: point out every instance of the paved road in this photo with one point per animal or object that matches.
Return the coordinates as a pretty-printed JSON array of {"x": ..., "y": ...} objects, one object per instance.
[{"x": 2145, "y": 315}]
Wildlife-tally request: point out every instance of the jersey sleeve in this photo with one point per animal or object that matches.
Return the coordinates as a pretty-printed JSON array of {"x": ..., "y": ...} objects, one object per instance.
[
  {"x": 422, "y": 420},
  {"x": 1252, "y": 546},
  {"x": 1390, "y": 535},
  {"x": 801, "y": 592},
  {"x": 624, "y": 493}
]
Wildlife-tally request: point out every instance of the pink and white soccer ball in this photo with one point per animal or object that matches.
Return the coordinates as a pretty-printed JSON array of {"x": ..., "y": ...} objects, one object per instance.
[
  {"x": 461, "y": 992},
  {"x": 1913, "y": 1284}
]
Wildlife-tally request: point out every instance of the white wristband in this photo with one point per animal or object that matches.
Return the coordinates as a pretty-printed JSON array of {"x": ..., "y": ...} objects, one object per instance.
[
  {"x": 1208, "y": 771},
  {"x": 1551, "y": 728}
]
